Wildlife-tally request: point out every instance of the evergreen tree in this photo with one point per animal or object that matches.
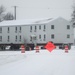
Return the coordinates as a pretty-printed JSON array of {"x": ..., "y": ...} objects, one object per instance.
[
  {"x": 2, "y": 10},
  {"x": 9, "y": 16}
]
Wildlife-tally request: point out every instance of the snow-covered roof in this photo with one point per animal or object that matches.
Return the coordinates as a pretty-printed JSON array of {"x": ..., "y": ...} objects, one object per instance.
[
  {"x": 25, "y": 22},
  {"x": 29, "y": 21}
]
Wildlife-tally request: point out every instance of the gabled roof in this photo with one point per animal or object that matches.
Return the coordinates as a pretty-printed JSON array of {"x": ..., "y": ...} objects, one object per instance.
[{"x": 59, "y": 18}]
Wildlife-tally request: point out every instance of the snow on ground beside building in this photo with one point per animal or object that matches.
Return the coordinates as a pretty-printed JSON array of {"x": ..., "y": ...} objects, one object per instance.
[{"x": 43, "y": 63}]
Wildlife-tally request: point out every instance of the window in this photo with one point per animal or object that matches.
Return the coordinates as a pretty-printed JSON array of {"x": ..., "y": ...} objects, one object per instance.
[
  {"x": 0, "y": 30},
  {"x": 44, "y": 27},
  {"x": 16, "y": 29},
  {"x": 1, "y": 38},
  {"x": 68, "y": 36},
  {"x": 8, "y": 38},
  {"x": 44, "y": 37},
  {"x": 35, "y": 28},
  {"x": 30, "y": 28},
  {"x": 52, "y": 26},
  {"x": 39, "y": 36},
  {"x": 15, "y": 38},
  {"x": 52, "y": 36},
  {"x": 68, "y": 26},
  {"x": 8, "y": 29},
  {"x": 40, "y": 27},
  {"x": 20, "y": 30},
  {"x": 20, "y": 37},
  {"x": 73, "y": 23}
]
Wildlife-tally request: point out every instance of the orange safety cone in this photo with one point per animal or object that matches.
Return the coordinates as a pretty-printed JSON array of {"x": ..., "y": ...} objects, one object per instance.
[
  {"x": 66, "y": 49},
  {"x": 37, "y": 49},
  {"x": 22, "y": 49}
]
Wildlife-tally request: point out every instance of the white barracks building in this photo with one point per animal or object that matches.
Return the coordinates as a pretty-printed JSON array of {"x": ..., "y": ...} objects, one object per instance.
[{"x": 17, "y": 32}]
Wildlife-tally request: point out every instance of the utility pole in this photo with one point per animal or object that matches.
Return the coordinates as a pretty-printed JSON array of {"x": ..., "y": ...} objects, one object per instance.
[{"x": 15, "y": 11}]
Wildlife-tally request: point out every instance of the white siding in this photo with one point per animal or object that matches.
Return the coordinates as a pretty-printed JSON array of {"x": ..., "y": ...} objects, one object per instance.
[{"x": 60, "y": 32}]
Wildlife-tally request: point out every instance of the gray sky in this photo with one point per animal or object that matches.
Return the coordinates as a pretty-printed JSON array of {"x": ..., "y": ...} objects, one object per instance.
[{"x": 30, "y": 9}]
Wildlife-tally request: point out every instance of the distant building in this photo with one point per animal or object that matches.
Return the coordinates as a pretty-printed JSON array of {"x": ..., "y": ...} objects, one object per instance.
[{"x": 17, "y": 32}]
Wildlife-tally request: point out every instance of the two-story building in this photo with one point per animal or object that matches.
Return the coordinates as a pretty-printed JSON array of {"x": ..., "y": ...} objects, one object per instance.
[{"x": 41, "y": 31}]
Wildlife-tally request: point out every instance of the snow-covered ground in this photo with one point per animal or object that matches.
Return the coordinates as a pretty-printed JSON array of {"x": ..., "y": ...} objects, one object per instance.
[{"x": 43, "y": 63}]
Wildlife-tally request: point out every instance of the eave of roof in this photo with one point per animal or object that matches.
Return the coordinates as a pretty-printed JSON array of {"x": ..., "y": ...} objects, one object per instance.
[{"x": 25, "y": 22}]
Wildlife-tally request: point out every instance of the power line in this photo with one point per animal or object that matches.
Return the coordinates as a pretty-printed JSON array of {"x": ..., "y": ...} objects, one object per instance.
[{"x": 45, "y": 8}]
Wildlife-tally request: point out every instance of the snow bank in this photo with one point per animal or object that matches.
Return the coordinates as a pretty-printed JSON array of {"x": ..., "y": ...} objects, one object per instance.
[{"x": 43, "y": 63}]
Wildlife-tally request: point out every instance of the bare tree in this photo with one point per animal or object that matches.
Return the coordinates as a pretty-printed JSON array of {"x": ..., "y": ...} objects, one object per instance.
[
  {"x": 2, "y": 10},
  {"x": 9, "y": 16},
  {"x": 3, "y": 16},
  {"x": 73, "y": 14}
]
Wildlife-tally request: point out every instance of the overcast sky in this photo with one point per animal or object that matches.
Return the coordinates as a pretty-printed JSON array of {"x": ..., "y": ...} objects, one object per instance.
[{"x": 31, "y": 9}]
